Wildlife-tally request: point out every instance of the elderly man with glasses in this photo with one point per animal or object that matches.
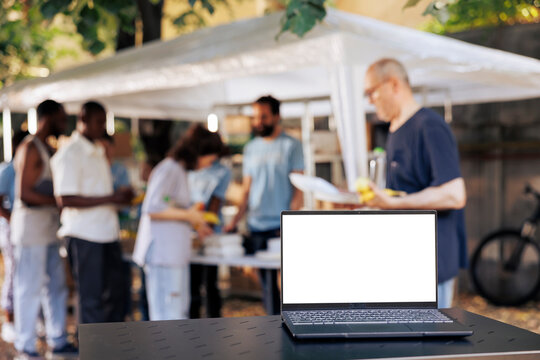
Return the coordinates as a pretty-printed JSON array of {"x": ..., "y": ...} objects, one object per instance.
[{"x": 423, "y": 161}]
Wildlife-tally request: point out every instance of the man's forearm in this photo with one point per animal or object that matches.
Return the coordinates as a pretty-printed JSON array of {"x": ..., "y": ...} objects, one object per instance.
[
  {"x": 77, "y": 201},
  {"x": 448, "y": 196},
  {"x": 242, "y": 208},
  {"x": 33, "y": 198},
  {"x": 297, "y": 200},
  {"x": 174, "y": 214}
]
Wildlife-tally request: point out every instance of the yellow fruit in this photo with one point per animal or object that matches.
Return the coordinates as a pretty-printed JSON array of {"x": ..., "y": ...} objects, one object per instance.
[
  {"x": 367, "y": 196},
  {"x": 138, "y": 199},
  {"x": 211, "y": 218},
  {"x": 362, "y": 185},
  {"x": 391, "y": 192}
]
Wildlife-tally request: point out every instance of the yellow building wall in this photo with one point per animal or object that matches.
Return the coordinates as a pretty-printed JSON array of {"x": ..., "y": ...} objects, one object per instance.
[
  {"x": 237, "y": 10},
  {"x": 386, "y": 10}
]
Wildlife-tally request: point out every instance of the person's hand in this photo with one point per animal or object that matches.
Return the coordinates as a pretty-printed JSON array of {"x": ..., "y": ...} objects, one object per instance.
[
  {"x": 230, "y": 227},
  {"x": 297, "y": 203},
  {"x": 380, "y": 200},
  {"x": 123, "y": 196},
  {"x": 196, "y": 219},
  {"x": 203, "y": 231}
]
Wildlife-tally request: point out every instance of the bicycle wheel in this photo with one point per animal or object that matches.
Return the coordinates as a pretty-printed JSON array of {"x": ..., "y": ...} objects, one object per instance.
[{"x": 505, "y": 268}]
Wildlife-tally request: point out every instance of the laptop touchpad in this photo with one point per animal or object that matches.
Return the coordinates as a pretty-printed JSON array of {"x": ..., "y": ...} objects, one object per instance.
[{"x": 379, "y": 329}]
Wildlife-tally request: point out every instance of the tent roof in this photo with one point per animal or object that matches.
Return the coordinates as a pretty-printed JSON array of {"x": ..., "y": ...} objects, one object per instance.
[{"x": 235, "y": 63}]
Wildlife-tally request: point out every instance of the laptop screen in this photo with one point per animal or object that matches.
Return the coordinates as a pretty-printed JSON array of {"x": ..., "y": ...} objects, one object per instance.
[{"x": 358, "y": 257}]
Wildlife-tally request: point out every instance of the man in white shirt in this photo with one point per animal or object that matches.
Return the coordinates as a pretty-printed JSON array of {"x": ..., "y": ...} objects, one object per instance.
[{"x": 83, "y": 187}]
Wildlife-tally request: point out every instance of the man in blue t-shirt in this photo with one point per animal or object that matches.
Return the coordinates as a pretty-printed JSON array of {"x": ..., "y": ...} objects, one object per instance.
[
  {"x": 423, "y": 161},
  {"x": 267, "y": 190}
]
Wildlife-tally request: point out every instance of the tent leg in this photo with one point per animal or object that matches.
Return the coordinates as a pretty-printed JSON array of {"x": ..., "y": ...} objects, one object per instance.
[
  {"x": 309, "y": 161},
  {"x": 347, "y": 86},
  {"x": 447, "y": 107},
  {"x": 134, "y": 127},
  {"x": 6, "y": 126}
]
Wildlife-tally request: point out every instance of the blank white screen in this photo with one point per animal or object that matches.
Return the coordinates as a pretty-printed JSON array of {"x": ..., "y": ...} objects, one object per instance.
[{"x": 358, "y": 258}]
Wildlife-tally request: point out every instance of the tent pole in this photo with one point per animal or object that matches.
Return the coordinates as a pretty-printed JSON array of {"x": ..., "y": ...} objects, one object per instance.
[
  {"x": 134, "y": 127},
  {"x": 6, "y": 125},
  {"x": 347, "y": 87},
  {"x": 447, "y": 107},
  {"x": 309, "y": 163}
]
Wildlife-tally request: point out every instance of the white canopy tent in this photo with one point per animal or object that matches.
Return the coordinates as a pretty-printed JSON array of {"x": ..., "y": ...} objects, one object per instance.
[{"x": 186, "y": 77}]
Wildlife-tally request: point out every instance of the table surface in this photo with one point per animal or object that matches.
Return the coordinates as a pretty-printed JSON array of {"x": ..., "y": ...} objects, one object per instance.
[
  {"x": 246, "y": 260},
  {"x": 263, "y": 337}
]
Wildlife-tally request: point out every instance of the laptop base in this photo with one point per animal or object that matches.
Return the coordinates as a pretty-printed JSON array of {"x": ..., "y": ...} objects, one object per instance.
[{"x": 366, "y": 331}]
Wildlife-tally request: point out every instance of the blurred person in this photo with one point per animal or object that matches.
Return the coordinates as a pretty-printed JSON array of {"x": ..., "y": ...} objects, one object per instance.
[
  {"x": 423, "y": 161},
  {"x": 146, "y": 169},
  {"x": 267, "y": 190},
  {"x": 7, "y": 198},
  {"x": 39, "y": 280},
  {"x": 207, "y": 187},
  {"x": 163, "y": 244},
  {"x": 120, "y": 177},
  {"x": 119, "y": 171},
  {"x": 83, "y": 187}
]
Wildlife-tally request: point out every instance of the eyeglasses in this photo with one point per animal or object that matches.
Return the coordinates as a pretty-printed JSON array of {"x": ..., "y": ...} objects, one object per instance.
[{"x": 371, "y": 91}]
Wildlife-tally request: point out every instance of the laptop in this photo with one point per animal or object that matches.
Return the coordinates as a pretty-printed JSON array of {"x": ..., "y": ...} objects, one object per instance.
[{"x": 362, "y": 274}]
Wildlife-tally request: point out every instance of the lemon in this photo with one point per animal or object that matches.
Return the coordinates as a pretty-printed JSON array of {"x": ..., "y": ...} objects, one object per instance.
[
  {"x": 367, "y": 196},
  {"x": 362, "y": 185},
  {"x": 211, "y": 218},
  {"x": 137, "y": 200}
]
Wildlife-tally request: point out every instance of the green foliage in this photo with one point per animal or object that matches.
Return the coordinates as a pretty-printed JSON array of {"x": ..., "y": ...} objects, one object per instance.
[
  {"x": 302, "y": 15},
  {"x": 50, "y": 8},
  {"x": 189, "y": 17},
  {"x": 194, "y": 16},
  {"x": 411, "y": 3},
  {"x": 23, "y": 43},
  {"x": 459, "y": 15},
  {"x": 91, "y": 15}
]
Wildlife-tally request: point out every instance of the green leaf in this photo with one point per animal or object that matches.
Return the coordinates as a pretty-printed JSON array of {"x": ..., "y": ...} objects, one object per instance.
[
  {"x": 208, "y": 6},
  {"x": 96, "y": 47},
  {"x": 88, "y": 31},
  {"x": 192, "y": 3},
  {"x": 183, "y": 19},
  {"x": 128, "y": 14},
  {"x": 411, "y": 3},
  {"x": 52, "y": 7},
  {"x": 302, "y": 15},
  {"x": 89, "y": 15}
]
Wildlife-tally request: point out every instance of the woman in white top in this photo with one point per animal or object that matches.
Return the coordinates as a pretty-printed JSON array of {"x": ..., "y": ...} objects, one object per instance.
[{"x": 163, "y": 244}]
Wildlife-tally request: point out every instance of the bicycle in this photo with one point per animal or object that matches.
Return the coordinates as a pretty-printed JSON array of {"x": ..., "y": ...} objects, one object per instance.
[{"x": 505, "y": 267}]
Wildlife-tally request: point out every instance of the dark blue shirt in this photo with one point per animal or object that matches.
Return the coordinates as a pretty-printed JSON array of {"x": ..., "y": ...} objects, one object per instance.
[{"x": 420, "y": 154}]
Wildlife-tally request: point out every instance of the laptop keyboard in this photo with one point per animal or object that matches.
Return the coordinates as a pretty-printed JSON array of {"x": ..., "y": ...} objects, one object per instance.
[{"x": 379, "y": 316}]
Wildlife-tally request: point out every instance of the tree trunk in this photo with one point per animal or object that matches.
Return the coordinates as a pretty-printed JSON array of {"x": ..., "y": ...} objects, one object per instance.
[
  {"x": 151, "y": 15},
  {"x": 124, "y": 39}
]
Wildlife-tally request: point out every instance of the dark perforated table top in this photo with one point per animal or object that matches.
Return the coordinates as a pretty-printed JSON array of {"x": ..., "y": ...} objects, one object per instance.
[{"x": 263, "y": 337}]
